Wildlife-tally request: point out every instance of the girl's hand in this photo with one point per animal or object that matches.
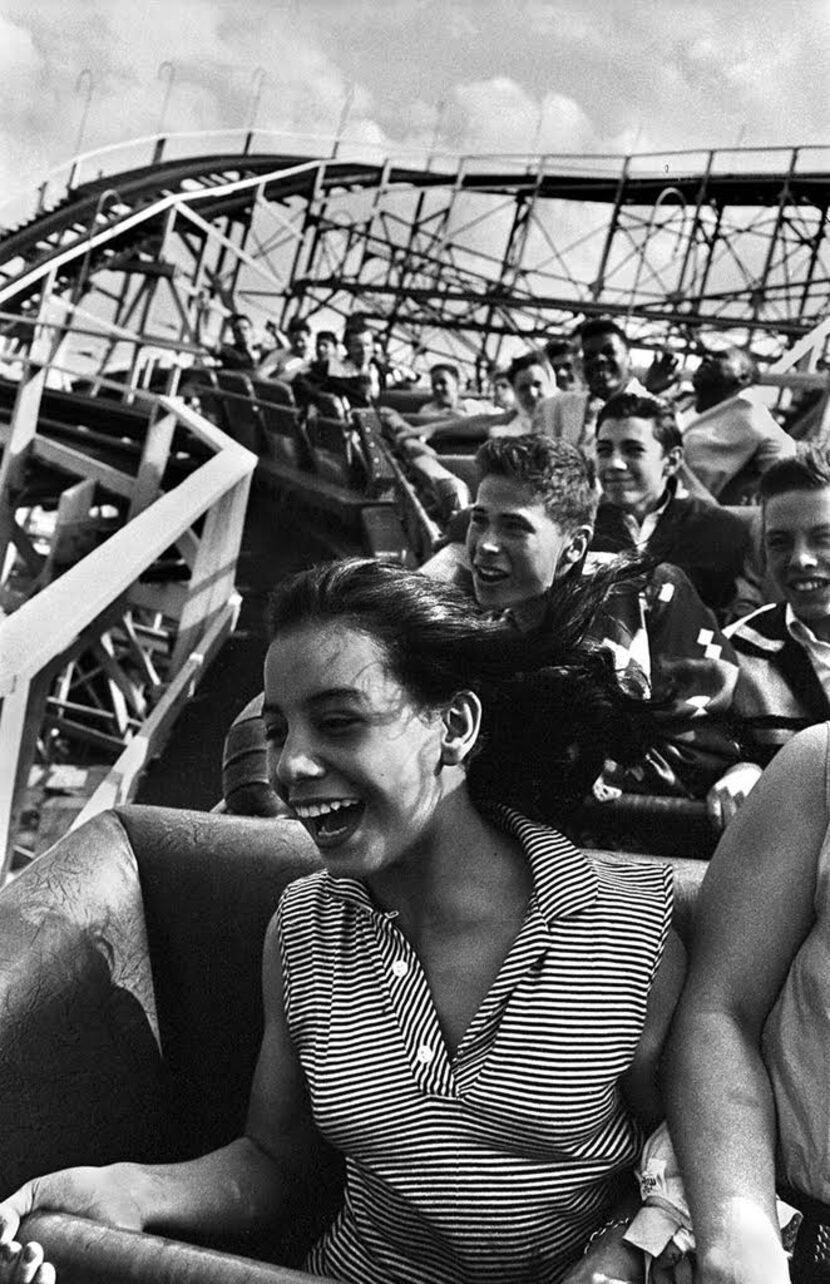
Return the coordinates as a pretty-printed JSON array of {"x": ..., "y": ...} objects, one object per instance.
[
  {"x": 104, "y": 1195},
  {"x": 24, "y": 1264},
  {"x": 107, "y": 1195}
]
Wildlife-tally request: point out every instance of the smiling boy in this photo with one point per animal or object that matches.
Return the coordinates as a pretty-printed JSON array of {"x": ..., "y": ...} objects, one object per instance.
[
  {"x": 531, "y": 524},
  {"x": 783, "y": 648},
  {"x": 639, "y": 450}
]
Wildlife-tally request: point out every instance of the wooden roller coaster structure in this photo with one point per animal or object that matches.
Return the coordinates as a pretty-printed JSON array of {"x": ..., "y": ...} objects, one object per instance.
[{"x": 117, "y": 278}]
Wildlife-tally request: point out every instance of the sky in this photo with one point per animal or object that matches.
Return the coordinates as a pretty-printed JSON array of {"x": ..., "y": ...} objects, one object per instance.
[{"x": 467, "y": 76}]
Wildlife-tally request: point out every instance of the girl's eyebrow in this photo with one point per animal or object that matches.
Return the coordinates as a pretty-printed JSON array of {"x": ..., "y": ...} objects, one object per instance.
[{"x": 331, "y": 693}]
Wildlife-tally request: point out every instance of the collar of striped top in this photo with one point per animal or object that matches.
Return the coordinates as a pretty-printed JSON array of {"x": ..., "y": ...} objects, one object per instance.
[{"x": 564, "y": 880}]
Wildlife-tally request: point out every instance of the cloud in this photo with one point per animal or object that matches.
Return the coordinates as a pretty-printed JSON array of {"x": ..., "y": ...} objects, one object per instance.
[
  {"x": 563, "y": 75},
  {"x": 189, "y": 57}
]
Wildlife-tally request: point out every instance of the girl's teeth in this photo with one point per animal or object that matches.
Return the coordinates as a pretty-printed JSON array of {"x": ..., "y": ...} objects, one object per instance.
[{"x": 308, "y": 811}]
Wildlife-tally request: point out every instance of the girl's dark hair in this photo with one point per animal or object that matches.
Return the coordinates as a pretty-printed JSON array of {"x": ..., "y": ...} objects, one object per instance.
[{"x": 553, "y": 708}]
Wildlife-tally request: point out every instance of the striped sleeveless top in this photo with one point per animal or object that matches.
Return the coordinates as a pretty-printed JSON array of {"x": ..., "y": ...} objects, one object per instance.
[{"x": 497, "y": 1165}]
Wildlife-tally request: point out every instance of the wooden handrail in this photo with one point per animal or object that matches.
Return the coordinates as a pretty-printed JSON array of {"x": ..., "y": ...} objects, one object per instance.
[
  {"x": 42, "y": 628},
  {"x": 74, "y": 609}
]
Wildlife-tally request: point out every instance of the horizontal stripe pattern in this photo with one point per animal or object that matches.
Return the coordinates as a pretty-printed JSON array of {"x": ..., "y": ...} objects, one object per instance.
[{"x": 498, "y": 1164}]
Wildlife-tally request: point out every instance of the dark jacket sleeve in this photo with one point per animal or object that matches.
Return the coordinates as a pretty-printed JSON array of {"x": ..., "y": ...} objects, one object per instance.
[{"x": 692, "y": 671}]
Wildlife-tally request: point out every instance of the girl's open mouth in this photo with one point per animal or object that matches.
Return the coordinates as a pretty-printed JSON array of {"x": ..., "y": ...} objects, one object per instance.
[{"x": 331, "y": 821}]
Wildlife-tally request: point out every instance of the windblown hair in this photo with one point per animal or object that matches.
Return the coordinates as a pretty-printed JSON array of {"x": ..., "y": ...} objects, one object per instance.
[
  {"x": 808, "y": 469},
  {"x": 563, "y": 478},
  {"x": 628, "y": 405},
  {"x": 553, "y": 708}
]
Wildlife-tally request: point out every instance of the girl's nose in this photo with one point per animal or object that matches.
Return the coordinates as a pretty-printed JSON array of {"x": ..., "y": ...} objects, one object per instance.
[{"x": 296, "y": 761}]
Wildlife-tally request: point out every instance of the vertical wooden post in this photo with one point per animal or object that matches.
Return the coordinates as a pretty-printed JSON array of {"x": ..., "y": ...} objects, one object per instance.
[
  {"x": 25, "y": 416},
  {"x": 21, "y": 715},
  {"x": 71, "y": 525},
  {"x": 212, "y": 578},
  {"x": 154, "y": 456}
]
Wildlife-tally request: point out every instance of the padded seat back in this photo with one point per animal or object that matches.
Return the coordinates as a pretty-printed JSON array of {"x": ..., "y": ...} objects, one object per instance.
[
  {"x": 333, "y": 441},
  {"x": 241, "y": 414},
  {"x": 202, "y": 382},
  {"x": 82, "y": 1079},
  {"x": 275, "y": 391},
  {"x": 283, "y": 435},
  {"x": 130, "y": 988}
]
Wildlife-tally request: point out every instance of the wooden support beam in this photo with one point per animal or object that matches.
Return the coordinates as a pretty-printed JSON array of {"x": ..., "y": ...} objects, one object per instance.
[
  {"x": 130, "y": 691},
  {"x": 76, "y": 463},
  {"x": 120, "y": 785},
  {"x": 154, "y": 457},
  {"x": 21, "y": 718},
  {"x": 72, "y": 530},
  {"x": 23, "y": 424},
  {"x": 212, "y": 578},
  {"x": 140, "y": 655}
]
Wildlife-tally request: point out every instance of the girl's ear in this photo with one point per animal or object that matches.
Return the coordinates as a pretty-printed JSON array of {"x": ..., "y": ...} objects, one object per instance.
[{"x": 462, "y": 722}]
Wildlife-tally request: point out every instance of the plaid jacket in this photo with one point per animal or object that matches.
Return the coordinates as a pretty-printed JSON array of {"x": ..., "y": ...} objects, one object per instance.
[
  {"x": 666, "y": 634},
  {"x": 778, "y": 691}
]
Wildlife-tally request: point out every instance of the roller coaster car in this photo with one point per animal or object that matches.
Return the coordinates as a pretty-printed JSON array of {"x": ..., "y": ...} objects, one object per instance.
[
  {"x": 130, "y": 1022},
  {"x": 329, "y": 458}
]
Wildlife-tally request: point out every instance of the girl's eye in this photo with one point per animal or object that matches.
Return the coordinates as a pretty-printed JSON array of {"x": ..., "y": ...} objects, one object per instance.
[
  {"x": 275, "y": 732},
  {"x": 338, "y": 723}
]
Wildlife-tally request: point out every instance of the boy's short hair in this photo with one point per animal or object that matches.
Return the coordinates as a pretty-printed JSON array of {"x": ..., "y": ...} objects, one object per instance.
[
  {"x": 628, "y": 405},
  {"x": 561, "y": 476},
  {"x": 535, "y": 357},
  {"x": 601, "y": 325},
  {"x": 448, "y": 368},
  {"x": 808, "y": 469},
  {"x": 356, "y": 324},
  {"x": 558, "y": 347}
]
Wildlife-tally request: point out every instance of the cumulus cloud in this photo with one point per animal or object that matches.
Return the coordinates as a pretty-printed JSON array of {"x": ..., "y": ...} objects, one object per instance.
[
  {"x": 495, "y": 76},
  {"x": 187, "y": 59}
]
